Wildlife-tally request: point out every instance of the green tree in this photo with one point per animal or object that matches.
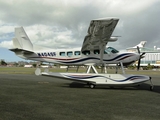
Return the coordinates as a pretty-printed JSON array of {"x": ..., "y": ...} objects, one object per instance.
[
  {"x": 3, "y": 62},
  {"x": 15, "y": 64},
  {"x": 150, "y": 66},
  {"x": 34, "y": 65}
]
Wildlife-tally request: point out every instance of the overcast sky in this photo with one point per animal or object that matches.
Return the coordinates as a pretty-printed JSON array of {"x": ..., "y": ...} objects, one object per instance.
[{"x": 64, "y": 23}]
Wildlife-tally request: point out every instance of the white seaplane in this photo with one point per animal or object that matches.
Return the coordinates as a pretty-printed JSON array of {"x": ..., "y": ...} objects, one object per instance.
[{"x": 93, "y": 52}]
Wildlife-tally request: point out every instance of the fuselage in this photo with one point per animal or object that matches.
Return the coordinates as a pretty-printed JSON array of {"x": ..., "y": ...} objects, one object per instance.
[{"x": 76, "y": 57}]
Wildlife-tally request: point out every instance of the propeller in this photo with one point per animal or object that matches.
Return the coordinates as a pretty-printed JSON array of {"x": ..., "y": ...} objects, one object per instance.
[{"x": 141, "y": 56}]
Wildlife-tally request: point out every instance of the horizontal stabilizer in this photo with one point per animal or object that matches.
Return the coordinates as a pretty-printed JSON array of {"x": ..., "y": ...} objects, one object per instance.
[{"x": 21, "y": 50}]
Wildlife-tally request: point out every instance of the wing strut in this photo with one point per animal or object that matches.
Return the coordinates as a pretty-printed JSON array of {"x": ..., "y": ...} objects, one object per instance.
[
  {"x": 93, "y": 68},
  {"x": 122, "y": 67}
]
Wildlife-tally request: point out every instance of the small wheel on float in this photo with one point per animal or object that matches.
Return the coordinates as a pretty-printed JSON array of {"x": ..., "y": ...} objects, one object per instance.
[
  {"x": 151, "y": 88},
  {"x": 92, "y": 86}
]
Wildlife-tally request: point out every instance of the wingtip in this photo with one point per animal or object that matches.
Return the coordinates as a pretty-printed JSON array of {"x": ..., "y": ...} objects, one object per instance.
[{"x": 107, "y": 18}]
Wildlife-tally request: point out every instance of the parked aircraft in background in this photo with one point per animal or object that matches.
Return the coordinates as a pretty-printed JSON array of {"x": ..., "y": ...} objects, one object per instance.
[{"x": 152, "y": 55}]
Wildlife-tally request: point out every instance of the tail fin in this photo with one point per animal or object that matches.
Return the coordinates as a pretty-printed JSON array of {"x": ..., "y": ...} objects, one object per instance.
[
  {"x": 141, "y": 44},
  {"x": 21, "y": 40}
]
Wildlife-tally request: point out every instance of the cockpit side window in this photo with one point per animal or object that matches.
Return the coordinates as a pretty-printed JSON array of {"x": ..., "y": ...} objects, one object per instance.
[
  {"x": 106, "y": 52},
  {"x": 112, "y": 50}
]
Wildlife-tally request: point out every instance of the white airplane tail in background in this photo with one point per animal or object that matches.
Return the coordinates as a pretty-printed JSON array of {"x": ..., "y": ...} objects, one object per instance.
[
  {"x": 134, "y": 49},
  {"x": 21, "y": 40},
  {"x": 141, "y": 44}
]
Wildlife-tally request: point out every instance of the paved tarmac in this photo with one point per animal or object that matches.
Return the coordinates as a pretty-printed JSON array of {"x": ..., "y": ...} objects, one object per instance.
[{"x": 130, "y": 103}]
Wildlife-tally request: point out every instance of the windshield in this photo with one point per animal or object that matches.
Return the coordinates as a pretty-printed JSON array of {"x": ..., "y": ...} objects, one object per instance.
[{"x": 110, "y": 50}]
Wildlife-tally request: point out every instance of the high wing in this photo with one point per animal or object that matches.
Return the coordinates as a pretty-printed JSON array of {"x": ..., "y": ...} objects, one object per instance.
[{"x": 99, "y": 34}]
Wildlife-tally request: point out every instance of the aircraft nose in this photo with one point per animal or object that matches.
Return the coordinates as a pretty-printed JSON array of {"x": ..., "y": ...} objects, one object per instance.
[{"x": 135, "y": 57}]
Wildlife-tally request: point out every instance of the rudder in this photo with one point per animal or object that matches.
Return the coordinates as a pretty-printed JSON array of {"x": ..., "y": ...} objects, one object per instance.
[{"x": 21, "y": 40}]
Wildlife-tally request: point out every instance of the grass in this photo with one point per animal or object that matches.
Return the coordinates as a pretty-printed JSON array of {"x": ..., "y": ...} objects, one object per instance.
[{"x": 17, "y": 70}]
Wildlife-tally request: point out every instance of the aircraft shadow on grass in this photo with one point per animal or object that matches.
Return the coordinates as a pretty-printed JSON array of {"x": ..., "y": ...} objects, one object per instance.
[{"x": 143, "y": 86}]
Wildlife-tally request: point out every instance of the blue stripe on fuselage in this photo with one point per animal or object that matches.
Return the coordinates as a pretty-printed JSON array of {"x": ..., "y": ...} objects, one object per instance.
[{"x": 94, "y": 58}]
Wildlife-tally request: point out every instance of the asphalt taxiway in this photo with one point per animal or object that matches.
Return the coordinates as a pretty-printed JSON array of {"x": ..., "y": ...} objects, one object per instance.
[{"x": 39, "y": 97}]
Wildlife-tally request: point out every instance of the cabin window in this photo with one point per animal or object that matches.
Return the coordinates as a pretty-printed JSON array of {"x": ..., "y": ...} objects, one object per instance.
[
  {"x": 69, "y": 54},
  {"x": 62, "y": 53},
  {"x": 87, "y": 52},
  {"x": 96, "y": 51},
  {"x": 77, "y": 53}
]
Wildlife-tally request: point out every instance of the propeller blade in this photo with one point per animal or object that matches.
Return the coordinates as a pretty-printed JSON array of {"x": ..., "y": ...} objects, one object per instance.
[
  {"x": 139, "y": 62},
  {"x": 138, "y": 50},
  {"x": 141, "y": 56}
]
